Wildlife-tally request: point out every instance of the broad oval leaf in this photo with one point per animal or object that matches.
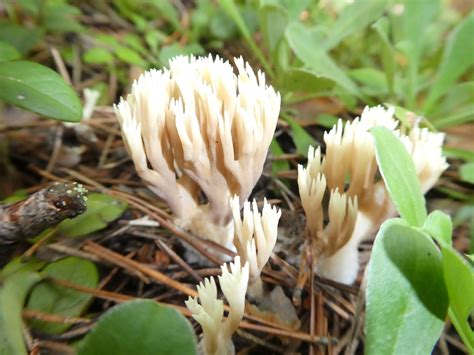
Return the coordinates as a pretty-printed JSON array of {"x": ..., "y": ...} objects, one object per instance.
[
  {"x": 101, "y": 210},
  {"x": 398, "y": 171},
  {"x": 37, "y": 88},
  {"x": 50, "y": 298},
  {"x": 140, "y": 327},
  {"x": 406, "y": 301}
]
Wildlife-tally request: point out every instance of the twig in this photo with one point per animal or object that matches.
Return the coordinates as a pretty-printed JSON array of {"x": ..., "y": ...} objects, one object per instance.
[
  {"x": 52, "y": 318},
  {"x": 44, "y": 209},
  {"x": 120, "y": 260},
  {"x": 179, "y": 260}
]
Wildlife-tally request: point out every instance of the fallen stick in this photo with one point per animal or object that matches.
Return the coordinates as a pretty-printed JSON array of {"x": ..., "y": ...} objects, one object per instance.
[{"x": 44, "y": 209}]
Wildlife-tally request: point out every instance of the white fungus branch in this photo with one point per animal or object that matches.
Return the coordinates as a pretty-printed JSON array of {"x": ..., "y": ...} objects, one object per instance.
[{"x": 255, "y": 235}]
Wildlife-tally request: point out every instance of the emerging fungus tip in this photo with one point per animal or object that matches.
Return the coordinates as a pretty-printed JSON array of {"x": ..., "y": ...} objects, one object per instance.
[{"x": 208, "y": 311}]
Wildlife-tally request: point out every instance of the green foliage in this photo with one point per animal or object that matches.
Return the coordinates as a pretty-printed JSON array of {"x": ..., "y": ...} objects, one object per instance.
[
  {"x": 101, "y": 210},
  {"x": 39, "y": 89},
  {"x": 406, "y": 300},
  {"x": 54, "y": 299},
  {"x": 13, "y": 291},
  {"x": 439, "y": 226},
  {"x": 8, "y": 52},
  {"x": 412, "y": 54},
  {"x": 407, "y": 268},
  {"x": 232, "y": 11},
  {"x": 301, "y": 138},
  {"x": 398, "y": 170},
  {"x": 140, "y": 327},
  {"x": 22, "y": 38},
  {"x": 457, "y": 59},
  {"x": 315, "y": 59},
  {"x": 466, "y": 172},
  {"x": 459, "y": 277}
]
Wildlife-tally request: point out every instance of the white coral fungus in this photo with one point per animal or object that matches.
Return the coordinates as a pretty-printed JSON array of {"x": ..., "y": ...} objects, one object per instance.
[
  {"x": 209, "y": 311},
  {"x": 255, "y": 236},
  {"x": 198, "y": 128},
  {"x": 359, "y": 200}
]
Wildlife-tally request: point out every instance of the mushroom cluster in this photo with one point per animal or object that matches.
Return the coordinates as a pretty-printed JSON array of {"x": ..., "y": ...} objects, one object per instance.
[
  {"x": 198, "y": 134},
  {"x": 358, "y": 200}
]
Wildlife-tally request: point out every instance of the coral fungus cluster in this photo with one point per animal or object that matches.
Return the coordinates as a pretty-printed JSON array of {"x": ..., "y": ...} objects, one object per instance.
[{"x": 198, "y": 135}]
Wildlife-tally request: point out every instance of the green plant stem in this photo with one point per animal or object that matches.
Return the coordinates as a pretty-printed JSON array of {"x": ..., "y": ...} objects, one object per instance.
[
  {"x": 412, "y": 82},
  {"x": 463, "y": 333},
  {"x": 233, "y": 12}
]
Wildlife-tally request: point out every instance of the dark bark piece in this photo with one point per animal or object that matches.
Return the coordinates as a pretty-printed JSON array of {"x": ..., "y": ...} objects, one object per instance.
[{"x": 44, "y": 209}]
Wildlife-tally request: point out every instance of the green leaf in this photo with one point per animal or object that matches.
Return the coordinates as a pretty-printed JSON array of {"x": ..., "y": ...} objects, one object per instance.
[
  {"x": 50, "y": 298},
  {"x": 373, "y": 79},
  {"x": 439, "y": 226},
  {"x": 20, "y": 37},
  {"x": 128, "y": 55},
  {"x": 172, "y": 50},
  {"x": 18, "y": 195},
  {"x": 37, "y": 88},
  {"x": 463, "y": 115},
  {"x": 327, "y": 121},
  {"x": 140, "y": 327},
  {"x": 8, "y": 52},
  {"x": 230, "y": 7},
  {"x": 459, "y": 278},
  {"x": 353, "y": 19},
  {"x": 98, "y": 55},
  {"x": 301, "y": 138},
  {"x": 222, "y": 27},
  {"x": 388, "y": 52},
  {"x": 398, "y": 171},
  {"x": 305, "y": 80},
  {"x": 457, "y": 59},
  {"x": 18, "y": 264},
  {"x": 278, "y": 165},
  {"x": 31, "y": 7},
  {"x": 403, "y": 115},
  {"x": 273, "y": 21},
  {"x": 168, "y": 11},
  {"x": 101, "y": 210},
  {"x": 305, "y": 42},
  {"x": 466, "y": 172},
  {"x": 60, "y": 17},
  {"x": 458, "y": 154},
  {"x": 410, "y": 29},
  {"x": 13, "y": 293},
  {"x": 458, "y": 96},
  {"x": 406, "y": 301}
]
